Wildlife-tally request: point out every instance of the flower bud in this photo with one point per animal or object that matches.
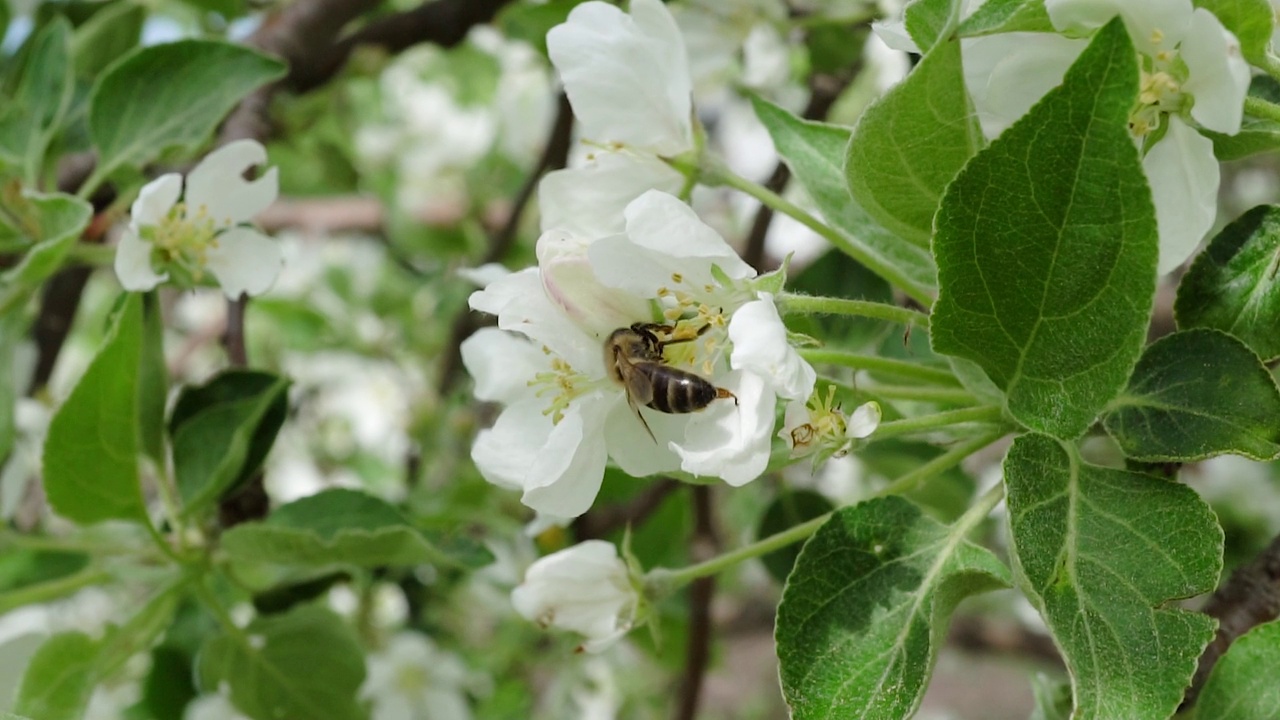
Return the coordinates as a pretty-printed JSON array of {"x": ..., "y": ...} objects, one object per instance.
[{"x": 585, "y": 588}]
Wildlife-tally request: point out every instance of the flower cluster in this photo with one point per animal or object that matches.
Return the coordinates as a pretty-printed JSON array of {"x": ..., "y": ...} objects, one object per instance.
[
  {"x": 567, "y": 412},
  {"x": 1193, "y": 74},
  {"x": 204, "y": 233}
]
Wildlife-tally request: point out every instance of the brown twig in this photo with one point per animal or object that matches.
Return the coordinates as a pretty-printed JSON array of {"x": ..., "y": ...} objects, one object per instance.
[
  {"x": 701, "y": 591},
  {"x": 555, "y": 155},
  {"x": 1250, "y": 598},
  {"x": 823, "y": 92},
  {"x": 602, "y": 520}
]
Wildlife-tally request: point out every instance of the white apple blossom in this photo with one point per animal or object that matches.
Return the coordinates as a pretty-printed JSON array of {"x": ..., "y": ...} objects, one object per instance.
[
  {"x": 585, "y": 588},
  {"x": 1192, "y": 71},
  {"x": 205, "y": 232},
  {"x": 627, "y": 78},
  {"x": 411, "y": 678},
  {"x": 565, "y": 416}
]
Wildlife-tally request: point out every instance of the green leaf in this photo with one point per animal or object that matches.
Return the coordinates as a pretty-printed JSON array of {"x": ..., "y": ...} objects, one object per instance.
[
  {"x": 153, "y": 379},
  {"x": 334, "y": 527},
  {"x": 59, "y": 679},
  {"x": 1234, "y": 285},
  {"x": 909, "y": 145},
  {"x": 221, "y": 432},
  {"x": 171, "y": 95},
  {"x": 1046, "y": 248},
  {"x": 1103, "y": 553},
  {"x": 1251, "y": 21},
  {"x": 1002, "y": 16},
  {"x": 12, "y": 329},
  {"x": 815, "y": 153},
  {"x": 304, "y": 664},
  {"x": 1052, "y": 698},
  {"x": 928, "y": 21},
  {"x": 109, "y": 34},
  {"x": 53, "y": 223},
  {"x": 868, "y": 605},
  {"x": 91, "y": 451},
  {"x": 1195, "y": 394},
  {"x": 786, "y": 511},
  {"x": 41, "y": 100},
  {"x": 1243, "y": 683},
  {"x": 23, "y": 568}
]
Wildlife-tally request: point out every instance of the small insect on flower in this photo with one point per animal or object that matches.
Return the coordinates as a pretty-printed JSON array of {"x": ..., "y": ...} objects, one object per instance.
[{"x": 633, "y": 357}]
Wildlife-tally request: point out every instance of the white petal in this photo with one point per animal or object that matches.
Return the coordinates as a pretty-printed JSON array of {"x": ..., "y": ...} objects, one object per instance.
[
  {"x": 585, "y": 588},
  {"x": 133, "y": 263},
  {"x": 627, "y": 76},
  {"x": 760, "y": 346},
  {"x": 588, "y": 201},
  {"x": 1183, "y": 174},
  {"x": 1008, "y": 73},
  {"x": 217, "y": 186},
  {"x": 894, "y": 34},
  {"x": 522, "y": 306},
  {"x": 502, "y": 363},
  {"x": 504, "y": 453},
  {"x": 1154, "y": 25},
  {"x": 631, "y": 447},
  {"x": 731, "y": 441},
  {"x": 795, "y": 415},
  {"x": 483, "y": 275},
  {"x": 1217, "y": 75},
  {"x": 566, "y": 474},
  {"x": 156, "y": 199},
  {"x": 666, "y": 246},
  {"x": 571, "y": 285},
  {"x": 864, "y": 421},
  {"x": 245, "y": 261}
]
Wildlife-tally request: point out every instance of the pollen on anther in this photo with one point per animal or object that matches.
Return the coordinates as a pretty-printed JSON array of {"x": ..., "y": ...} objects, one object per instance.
[{"x": 677, "y": 278}]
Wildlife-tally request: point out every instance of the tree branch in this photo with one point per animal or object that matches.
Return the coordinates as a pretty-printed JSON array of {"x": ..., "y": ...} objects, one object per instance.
[
  {"x": 600, "y": 521},
  {"x": 701, "y": 591},
  {"x": 1250, "y": 598}
]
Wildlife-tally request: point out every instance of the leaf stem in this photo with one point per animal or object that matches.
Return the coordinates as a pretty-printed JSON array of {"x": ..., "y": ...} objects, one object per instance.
[
  {"x": 940, "y": 464},
  {"x": 92, "y": 254},
  {"x": 949, "y": 396},
  {"x": 722, "y": 176},
  {"x": 664, "y": 581},
  {"x": 1271, "y": 64},
  {"x": 790, "y": 304},
  {"x": 53, "y": 589},
  {"x": 880, "y": 365},
  {"x": 895, "y": 428},
  {"x": 1260, "y": 108}
]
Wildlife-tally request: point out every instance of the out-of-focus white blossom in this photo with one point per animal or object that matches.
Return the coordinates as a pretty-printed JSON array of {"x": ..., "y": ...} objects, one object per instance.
[
  {"x": 586, "y": 589},
  {"x": 412, "y": 679},
  {"x": 205, "y": 232}
]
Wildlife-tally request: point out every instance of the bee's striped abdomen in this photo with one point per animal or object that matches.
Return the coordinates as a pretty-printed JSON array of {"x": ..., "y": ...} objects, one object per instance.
[{"x": 676, "y": 391}]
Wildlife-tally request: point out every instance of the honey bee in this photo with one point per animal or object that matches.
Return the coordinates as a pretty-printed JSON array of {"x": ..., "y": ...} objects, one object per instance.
[{"x": 633, "y": 356}]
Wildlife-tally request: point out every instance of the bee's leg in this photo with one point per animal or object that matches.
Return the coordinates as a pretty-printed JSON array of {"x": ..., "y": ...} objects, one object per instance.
[{"x": 722, "y": 393}]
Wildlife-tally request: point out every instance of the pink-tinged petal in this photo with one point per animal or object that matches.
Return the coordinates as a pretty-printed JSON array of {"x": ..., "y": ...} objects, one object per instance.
[
  {"x": 155, "y": 200},
  {"x": 627, "y": 76},
  {"x": 501, "y": 364},
  {"x": 1183, "y": 174},
  {"x": 133, "y": 263},
  {"x": 567, "y": 472},
  {"x": 588, "y": 201},
  {"x": 760, "y": 347},
  {"x": 731, "y": 441},
  {"x": 572, "y": 286},
  {"x": 1008, "y": 73},
  {"x": 217, "y": 188},
  {"x": 245, "y": 262},
  {"x": 631, "y": 447},
  {"x": 1217, "y": 74},
  {"x": 504, "y": 453},
  {"x": 522, "y": 306}
]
